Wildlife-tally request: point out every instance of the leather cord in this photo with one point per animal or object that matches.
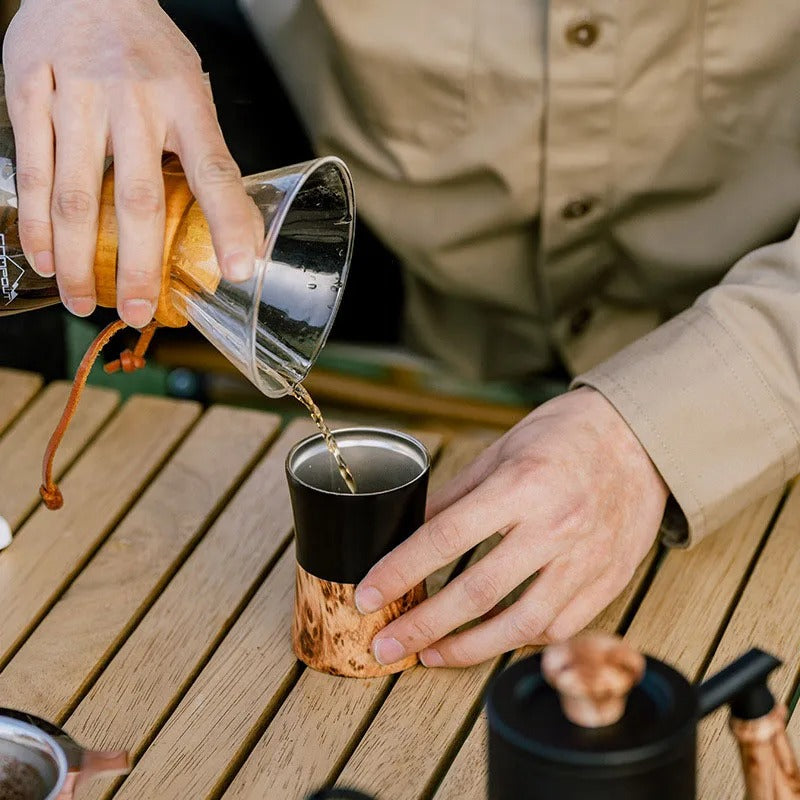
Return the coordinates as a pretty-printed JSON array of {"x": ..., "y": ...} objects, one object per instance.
[{"x": 128, "y": 361}]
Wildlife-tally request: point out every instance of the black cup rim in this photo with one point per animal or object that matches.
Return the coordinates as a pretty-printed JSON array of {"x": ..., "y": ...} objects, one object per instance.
[{"x": 360, "y": 429}]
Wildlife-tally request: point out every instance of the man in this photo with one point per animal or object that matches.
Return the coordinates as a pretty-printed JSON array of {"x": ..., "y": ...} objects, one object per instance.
[{"x": 554, "y": 177}]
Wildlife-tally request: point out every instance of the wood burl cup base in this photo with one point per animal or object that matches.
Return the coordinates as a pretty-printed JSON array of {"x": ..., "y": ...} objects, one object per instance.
[{"x": 330, "y": 635}]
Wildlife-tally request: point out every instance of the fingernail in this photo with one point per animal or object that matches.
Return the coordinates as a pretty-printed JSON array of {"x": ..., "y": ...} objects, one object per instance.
[
  {"x": 431, "y": 658},
  {"x": 387, "y": 651},
  {"x": 238, "y": 266},
  {"x": 81, "y": 306},
  {"x": 369, "y": 600},
  {"x": 43, "y": 263},
  {"x": 137, "y": 313}
]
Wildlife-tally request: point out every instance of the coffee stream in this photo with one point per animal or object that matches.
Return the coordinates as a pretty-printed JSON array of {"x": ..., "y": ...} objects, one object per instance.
[{"x": 301, "y": 393}]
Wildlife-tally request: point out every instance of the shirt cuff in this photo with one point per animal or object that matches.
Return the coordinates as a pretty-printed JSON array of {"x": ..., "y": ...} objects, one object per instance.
[{"x": 701, "y": 408}]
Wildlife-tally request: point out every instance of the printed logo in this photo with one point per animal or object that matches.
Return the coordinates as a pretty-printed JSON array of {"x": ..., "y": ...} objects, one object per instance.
[{"x": 10, "y": 274}]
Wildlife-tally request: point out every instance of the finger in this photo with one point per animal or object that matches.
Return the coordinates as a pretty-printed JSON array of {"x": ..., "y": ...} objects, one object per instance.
[
  {"x": 80, "y": 130},
  {"x": 216, "y": 182},
  {"x": 585, "y": 606},
  {"x": 139, "y": 201},
  {"x": 463, "y": 483},
  {"x": 438, "y": 542},
  {"x": 524, "y": 623},
  {"x": 29, "y": 110},
  {"x": 472, "y": 594}
]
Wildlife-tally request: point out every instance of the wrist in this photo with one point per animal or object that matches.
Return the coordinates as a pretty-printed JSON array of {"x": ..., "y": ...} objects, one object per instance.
[{"x": 619, "y": 438}]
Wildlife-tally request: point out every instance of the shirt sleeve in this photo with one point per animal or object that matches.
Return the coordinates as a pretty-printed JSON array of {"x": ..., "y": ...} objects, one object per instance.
[{"x": 714, "y": 394}]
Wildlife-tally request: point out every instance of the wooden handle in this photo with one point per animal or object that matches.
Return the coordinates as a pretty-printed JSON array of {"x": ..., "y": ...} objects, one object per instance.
[
  {"x": 330, "y": 635},
  {"x": 188, "y": 249},
  {"x": 593, "y": 675},
  {"x": 768, "y": 762}
]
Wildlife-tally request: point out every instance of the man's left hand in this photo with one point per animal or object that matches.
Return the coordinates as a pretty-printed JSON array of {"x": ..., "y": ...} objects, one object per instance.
[{"x": 578, "y": 503}]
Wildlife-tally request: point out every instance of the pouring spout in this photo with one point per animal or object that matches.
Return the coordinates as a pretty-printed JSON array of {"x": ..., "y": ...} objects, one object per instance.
[{"x": 743, "y": 684}]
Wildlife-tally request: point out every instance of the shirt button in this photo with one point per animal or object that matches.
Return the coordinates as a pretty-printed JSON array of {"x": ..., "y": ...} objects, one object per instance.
[
  {"x": 583, "y": 33},
  {"x": 576, "y": 209},
  {"x": 580, "y": 321}
]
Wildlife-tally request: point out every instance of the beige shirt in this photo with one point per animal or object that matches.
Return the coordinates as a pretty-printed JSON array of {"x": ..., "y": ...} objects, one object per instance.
[{"x": 562, "y": 178}]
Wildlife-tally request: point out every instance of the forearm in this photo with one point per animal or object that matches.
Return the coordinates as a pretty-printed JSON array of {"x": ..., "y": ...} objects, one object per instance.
[{"x": 714, "y": 395}]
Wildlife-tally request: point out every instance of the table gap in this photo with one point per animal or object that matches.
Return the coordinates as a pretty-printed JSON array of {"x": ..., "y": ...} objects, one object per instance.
[
  {"x": 227, "y": 777},
  {"x": 723, "y": 626},
  {"x": 465, "y": 729},
  {"x": 81, "y": 564},
  {"x": 642, "y": 590},
  {"x": 178, "y": 563},
  {"x": 369, "y": 718}
]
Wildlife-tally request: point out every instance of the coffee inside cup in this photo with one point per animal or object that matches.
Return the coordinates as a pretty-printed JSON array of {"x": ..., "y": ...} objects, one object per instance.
[
  {"x": 20, "y": 780},
  {"x": 381, "y": 463},
  {"x": 32, "y": 767}
]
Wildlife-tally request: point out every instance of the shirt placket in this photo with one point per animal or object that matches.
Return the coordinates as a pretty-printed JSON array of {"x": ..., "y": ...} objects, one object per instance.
[{"x": 578, "y": 130}]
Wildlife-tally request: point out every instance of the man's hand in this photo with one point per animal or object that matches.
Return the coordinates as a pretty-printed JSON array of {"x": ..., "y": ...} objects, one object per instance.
[
  {"x": 577, "y": 501},
  {"x": 87, "y": 78}
]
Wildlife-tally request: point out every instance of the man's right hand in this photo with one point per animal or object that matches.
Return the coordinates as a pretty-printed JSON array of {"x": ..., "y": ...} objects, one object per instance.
[{"x": 90, "y": 78}]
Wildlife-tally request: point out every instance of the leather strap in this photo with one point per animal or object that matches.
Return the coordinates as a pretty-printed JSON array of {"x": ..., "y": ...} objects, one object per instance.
[{"x": 129, "y": 361}]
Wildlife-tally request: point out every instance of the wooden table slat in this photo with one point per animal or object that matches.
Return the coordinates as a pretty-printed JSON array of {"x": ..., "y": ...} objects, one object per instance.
[
  {"x": 253, "y": 664},
  {"x": 154, "y": 668},
  {"x": 51, "y": 547},
  {"x": 72, "y": 643},
  {"x": 767, "y": 616},
  {"x": 22, "y": 448},
  {"x": 466, "y": 777},
  {"x": 16, "y": 391},
  {"x": 323, "y": 715}
]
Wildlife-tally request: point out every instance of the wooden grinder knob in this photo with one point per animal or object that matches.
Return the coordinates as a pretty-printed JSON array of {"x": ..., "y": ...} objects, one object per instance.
[{"x": 593, "y": 675}]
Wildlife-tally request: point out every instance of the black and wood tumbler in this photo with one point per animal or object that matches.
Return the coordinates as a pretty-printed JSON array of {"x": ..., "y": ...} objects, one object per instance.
[{"x": 340, "y": 535}]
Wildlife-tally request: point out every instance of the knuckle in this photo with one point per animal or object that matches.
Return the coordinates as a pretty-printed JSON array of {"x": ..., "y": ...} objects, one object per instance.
[
  {"x": 32, "y": 179},
  {"x": 457, "y": 653},
  {"x": 525, "y": 628},
  {"x": 576, "y": 516},
  {"x": 519, "y": 475},
  {"x": 75, "y": 205},
  {"x": 422, "y": 631},
  {"x": 394, "y": 574},
  {"x": 218, "y": 168},
  {"x": 138, "y": 279},
  {"x": 557, "y": 632},
  {"x": 31, "y": 230},
  {"x": 444, "y": 538},
  {"x": 142, "y": 198},
  {"x": 30, "y": 87},
  {"x": 481, "y": 591}
]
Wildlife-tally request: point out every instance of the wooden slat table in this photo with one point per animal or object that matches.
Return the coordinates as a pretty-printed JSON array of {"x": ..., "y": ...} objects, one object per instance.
[{"x": 152, "y": 613}]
